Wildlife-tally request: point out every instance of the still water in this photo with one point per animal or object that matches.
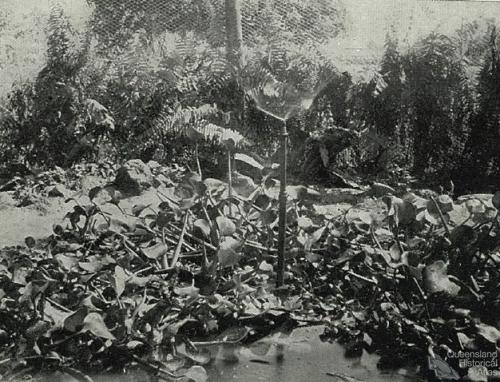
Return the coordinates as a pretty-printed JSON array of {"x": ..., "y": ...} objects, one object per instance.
[{"x": 298, "y": 357}]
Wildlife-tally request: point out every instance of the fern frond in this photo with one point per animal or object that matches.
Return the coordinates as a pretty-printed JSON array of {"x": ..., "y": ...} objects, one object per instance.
[
  {"x": 221, "y": 135},
  {"x": 193, "y": 122}
]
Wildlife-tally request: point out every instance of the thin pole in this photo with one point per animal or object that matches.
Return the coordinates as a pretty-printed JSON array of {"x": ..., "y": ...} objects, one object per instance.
[
  {"x": 230, "y": 181},
  {"x": 234, "y": 34},
  {"x": 282, "y": 209},
  {"x": 234, "y": 43}
]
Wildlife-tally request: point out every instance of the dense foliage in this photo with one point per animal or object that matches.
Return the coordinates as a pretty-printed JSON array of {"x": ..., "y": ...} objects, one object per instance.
[
  {"x": 387, "y": 269},
  {"x": 433, "y": 103},
  {"x": 409, "y": 275},
  {"x": 107, "y": 91}
]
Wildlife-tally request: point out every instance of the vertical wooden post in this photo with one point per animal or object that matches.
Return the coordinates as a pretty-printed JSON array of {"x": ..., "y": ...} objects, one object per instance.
[
  {"x": 234, "y": 33},
  {"x": 282, "y": 209},
  {"x": 234, "y": 44},
  {"x": 230, "y": 181}
]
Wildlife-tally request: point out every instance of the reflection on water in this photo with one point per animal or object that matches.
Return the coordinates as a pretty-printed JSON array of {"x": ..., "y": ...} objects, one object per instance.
[{"x": 299, "y": 357}]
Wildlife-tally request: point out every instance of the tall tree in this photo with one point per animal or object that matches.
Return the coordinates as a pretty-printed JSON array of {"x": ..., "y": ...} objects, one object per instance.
[
  {"x": 436, "y": 81},
  {"x": 484, "y": 143},
  {"x": 388, "y": 107},
  {"x": 116, "y": 21}
]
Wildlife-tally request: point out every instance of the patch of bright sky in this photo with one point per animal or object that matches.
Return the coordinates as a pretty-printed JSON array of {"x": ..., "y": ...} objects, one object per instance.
[
  {"x": 22, "y": 10},
  {"x": 368, "y": 22}
]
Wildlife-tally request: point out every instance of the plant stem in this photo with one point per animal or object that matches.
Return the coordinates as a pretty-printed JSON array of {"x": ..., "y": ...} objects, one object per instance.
[
  {"x": 165, "y": 256},
  {"x": 181, "y": 241},
  {"x": 194, "y": 238},
  {"x": 441, "y": 216},
  {"x": 198, "y": 160}
]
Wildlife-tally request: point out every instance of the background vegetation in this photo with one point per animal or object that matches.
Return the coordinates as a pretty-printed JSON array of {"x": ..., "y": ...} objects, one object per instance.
[
  {"x": 155, "y": 262},
  {"x": 127, "y": 85}
]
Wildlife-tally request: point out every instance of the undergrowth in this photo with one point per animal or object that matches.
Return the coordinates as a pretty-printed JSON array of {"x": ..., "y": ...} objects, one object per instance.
[{"x": 408, "y": 277}]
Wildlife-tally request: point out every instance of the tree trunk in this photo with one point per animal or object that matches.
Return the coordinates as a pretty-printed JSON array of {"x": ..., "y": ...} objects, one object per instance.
[{"x": 234, "y": 34}]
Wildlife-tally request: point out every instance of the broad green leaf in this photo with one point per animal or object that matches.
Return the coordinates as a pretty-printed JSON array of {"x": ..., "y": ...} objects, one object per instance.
[
  {"x": 54, "y": 313},
  {"x": 200, "y": 357},
  {"x": 325, "y": 155},
  {"x": 436, "y": 279},
  {"x": 488, "y": 332},
  {"x": 119, "y": 225},
  {"x": 92, "y": 266},
  {"x": 331, "y": 211},
  {"x": 189, "y": 291},
  {"x": 233, "y": 334},
  {"x": 475, "y": 206},
  {"x": 203, "y": 226},
  {"x": 313, "y": 238},
  {"x": 265, "y": 267},
  {"x": 132, "y": 345},
  {"x": 94, "y": 192},
  {"x": 262, "y": 201},
  {"x": 67, "y": 262},
  {"x": 359, "y": 215},
  {"x": 226, "y": 226},
  {"x": 214, "y": 185},
  {"x": 297, "y": 192},
  {"x": 395, "y": 253},
  {"x": 20, "y": 275},
  {"x": 401, "y": 212},
  {"x": 496, "y": 200},
  {"x": 313, "y": 258},
  {"x": 119, "y": 280},
  {"x": 186, "y": 204},
  {"x": 431, "y": 218},
  {"x": 197, "y": 374},
  {"x": 417, "y": 201},
  {"x": 228, "y": 254},
  {"x": 460, "y": 214},
  {"x": 243, "y": 185},
  {"x": 156, "y": 251},
  {"x": 36, "y": 330},
  {"x": 269, "y": 216},
  {"x": 138, "y": 208},
  {"x": 462, "y": 236},
  {"x": 74, "y": 321},
  {"x": 139, "y": 281},
  {"x": 441, "y": 369},
  {"x": 191, "y": 186},
  {"x": 94, "y": 323},
  {"x": 445, "y": 203},
  {"x": 30, "y": 242},
  {"x": 163, "y": 219},
  {"x": 304, "y": 222},
  {"x": 174, "y": 328},
  {"x": 477, "y": 373}
]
